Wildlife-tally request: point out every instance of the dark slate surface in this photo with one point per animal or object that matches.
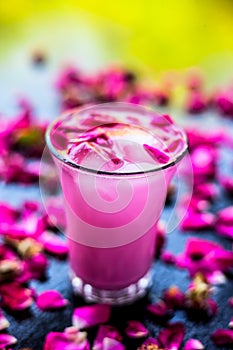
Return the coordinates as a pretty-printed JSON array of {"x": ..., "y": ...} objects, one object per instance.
[{"x": 31, "y": 327}]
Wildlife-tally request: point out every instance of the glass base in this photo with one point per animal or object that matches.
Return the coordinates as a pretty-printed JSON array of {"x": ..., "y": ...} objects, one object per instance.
[{"x": 113, "y": 297}]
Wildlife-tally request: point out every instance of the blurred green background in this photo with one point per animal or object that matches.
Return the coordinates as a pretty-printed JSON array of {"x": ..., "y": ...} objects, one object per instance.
[{"x": 150, "y": 36}]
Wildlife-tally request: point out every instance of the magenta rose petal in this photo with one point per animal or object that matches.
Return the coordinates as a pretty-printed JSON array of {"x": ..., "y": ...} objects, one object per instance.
[
  {"x": 150, "y": 344},
  {"x": 4, "y": 323},
  {"x": 197, "y": 221},
  {"x": 230, "y": 301},
  {"x": 65, "y": 341},
  {"x": 136, "y": 329},
  {"x": 7, "y": 340},
  {"x": 230, "y": 324},
  {"x": 51, "y": 299},
  {"x": 223, "y": 337},
  {"x": 105, "y": 331},
  {"x": 16, "y": 297},
  {"x": 193, "y": 344},
  {"x": 168, "y": 258},
  {"x": 160, "y": 310},
  {"x": 112, "y": 344},
  {"x": 88, "y": 316},
  {"x": 159, "y": 155},
  {"x": 172, "y": 336},
  {"x": 174, "y": 297},
  {"x": 53, "y": 244}
]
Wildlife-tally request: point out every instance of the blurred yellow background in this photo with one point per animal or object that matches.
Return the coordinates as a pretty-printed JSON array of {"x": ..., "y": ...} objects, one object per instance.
[{"x": 153, "y": 36}]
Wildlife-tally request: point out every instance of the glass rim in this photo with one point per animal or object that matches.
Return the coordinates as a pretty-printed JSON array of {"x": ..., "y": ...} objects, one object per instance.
[{"x": 76, "y": 166}]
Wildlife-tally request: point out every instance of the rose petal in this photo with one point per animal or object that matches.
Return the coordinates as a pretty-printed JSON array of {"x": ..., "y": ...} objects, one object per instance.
[
  {"x": 51, "y": 299},
  {"x": 63, "y": 341},
  {"x": 105, "y": 331},
  {"x": 112, "y": 344},
  {"x": 193, "y": 344},
  {"x": 160, "y": 238},
  {"x": 222, "y": 337},
  {"x": 160, "y": 310},
  {"x": 168, "y": 258},
  {"x": 206, "y": 191},
  {"x": 7, "y": 340},
  {"x": 227, "y": 183},
  {"x": 197, "y": 221},
  {"x": 16, "y": 297},
  {"x": 172, "y": 336},
  {"x": 88, "y": 316},
  {"x": 203, "y": 160},
  {"x": 159, "y": 155},
  {"x": 136, "y": 329},
  {"x": 174, "y": 297},
  {"x": 230, "y": 301},
  {"x": 53, "y": 244},
  {"x": 230, "y": 324},
  {"x": 149, "y": 344},
  {"x": 204, "y": 256},
  {"x": 4, "y": 323},
  {"x": 197, "y": 102},
  {"x": 56, "y": 212}
]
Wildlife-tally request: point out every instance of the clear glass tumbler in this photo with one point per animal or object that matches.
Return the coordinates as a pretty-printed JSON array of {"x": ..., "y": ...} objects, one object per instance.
[{"x": 114, "y": 190}]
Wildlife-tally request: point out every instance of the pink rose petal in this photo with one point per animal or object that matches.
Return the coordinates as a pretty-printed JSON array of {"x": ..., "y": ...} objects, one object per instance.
[
  {"x": 222, "y": 337},
  {"x": 197, "y": 102},
  {"x": 105, "y": 331},
  {"x": 174, "y": 297},
  {"x": 159, "y": 155},
  {"x": 224, "y": 223},
  {"x": 168, "y": 258},
  {"x": 51, "y": 299},
  {"x": 227, "y": 183},
  {"x": 7, "y": 340},
  {"x": 56, "y": 212},
  {"x": 160, "y": 309},
  {"x": 230, "y": 324},
  {"x": 63, "y": 341},
  {"x": 197, "y": 221},
  {"x": 88, "y": 316},
  {"x": 4, "y": 323},
  {"x": 230, "y": 301},
  {"x": 193, "y": 344},
  {"x": 16, "y": 297},
  {"x": 53, "y": 244},
  {"x": 203, "y": 160},
  {"x": 136, "y": 329},
  {"x": 204, "y": 256},
  {"x": 149, "y": 344},
  {"x": 172, "y": 336},
  {"x": 112, "y": 344}
]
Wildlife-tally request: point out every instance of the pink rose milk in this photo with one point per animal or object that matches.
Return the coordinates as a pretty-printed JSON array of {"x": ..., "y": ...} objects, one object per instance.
[{"x": 115, "y": 162}]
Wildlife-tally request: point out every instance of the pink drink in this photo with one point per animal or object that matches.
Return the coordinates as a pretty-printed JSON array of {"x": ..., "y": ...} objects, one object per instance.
[{"x": 115, "y": 162}]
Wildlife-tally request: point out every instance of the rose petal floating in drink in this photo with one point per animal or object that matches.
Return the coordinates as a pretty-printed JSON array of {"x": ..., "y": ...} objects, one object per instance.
[
  {"x": 193, "y": 344},
  {"x": 4, "y": 323},
  {"x": 7, "y": 340},
  {"x": 89, "y": 316},
  {"x": 105, "y": 331},
  {"x": 50, "y": 299},
  {"x": 222, "y": 337},
  {"x": 157, "y": 154},
  {"x": 136, "y": 329}
]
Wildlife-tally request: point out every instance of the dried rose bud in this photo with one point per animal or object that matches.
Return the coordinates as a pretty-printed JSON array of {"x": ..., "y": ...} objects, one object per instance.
[
  {"x": 29, "y": 247},
  {"x": 9, "y": 269},
  {"x": 198, "y": 292}
]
